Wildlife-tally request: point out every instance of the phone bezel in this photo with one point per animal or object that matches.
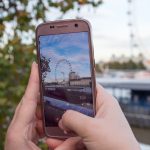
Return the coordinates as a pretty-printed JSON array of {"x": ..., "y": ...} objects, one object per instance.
[{"x": 62, "y": 27}]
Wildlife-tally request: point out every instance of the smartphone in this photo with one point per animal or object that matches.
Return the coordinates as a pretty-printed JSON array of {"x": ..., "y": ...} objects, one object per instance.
[{"x": 66, "y": 71}]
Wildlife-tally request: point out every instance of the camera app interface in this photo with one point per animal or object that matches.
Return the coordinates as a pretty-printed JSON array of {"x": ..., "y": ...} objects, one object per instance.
[{"x": 66, "y": 75}]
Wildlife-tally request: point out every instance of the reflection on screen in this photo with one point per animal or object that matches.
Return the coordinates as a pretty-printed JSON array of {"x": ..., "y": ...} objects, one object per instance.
[{"x": 66, "y": 75}]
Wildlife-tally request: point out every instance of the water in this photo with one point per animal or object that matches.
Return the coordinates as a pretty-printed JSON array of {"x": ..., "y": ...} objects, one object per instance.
[{"x": 142, "y": 135}]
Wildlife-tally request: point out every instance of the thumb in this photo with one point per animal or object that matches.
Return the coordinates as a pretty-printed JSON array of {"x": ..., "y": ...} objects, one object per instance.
[
  {"x": 27, "y": 106},
  {"x": 76, "y": 122}
]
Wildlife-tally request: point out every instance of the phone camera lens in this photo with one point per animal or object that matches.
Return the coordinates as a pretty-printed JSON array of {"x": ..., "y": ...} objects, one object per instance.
[{"x": 76, "y": 25}]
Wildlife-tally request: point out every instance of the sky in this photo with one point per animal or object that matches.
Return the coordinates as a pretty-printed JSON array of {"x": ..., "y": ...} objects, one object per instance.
[
  {"x": 109, "y": 27},
  {"x": 67, "y": 53}
]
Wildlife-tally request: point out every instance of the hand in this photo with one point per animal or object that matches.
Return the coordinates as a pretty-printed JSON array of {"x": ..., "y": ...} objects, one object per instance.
[
  {"x": 26, "y": 126},
  {"x": 109, "y": 130}
]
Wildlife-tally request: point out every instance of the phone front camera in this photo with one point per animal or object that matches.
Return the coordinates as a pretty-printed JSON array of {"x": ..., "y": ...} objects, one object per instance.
[{"x": 76, "y": 25}]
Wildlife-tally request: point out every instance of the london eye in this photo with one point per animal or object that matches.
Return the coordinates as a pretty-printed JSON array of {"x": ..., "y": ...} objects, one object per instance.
[{"x": 62, "y": 69}]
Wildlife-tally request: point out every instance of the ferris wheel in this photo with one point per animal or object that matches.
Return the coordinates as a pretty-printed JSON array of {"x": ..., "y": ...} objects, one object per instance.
[
  {"x": 62, "y": 69},
  {"x": 136, "y": 42}
]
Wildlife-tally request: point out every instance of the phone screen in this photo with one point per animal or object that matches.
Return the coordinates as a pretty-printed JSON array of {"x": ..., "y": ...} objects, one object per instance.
[{"x": 66, "y": 75}]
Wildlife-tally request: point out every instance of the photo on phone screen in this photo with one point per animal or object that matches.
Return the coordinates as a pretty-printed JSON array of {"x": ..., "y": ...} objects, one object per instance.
[{"x": 66, "y": 75}]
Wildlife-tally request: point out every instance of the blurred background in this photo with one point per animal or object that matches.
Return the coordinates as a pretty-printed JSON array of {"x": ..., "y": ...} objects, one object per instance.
[{"x": 121, "y": 45}]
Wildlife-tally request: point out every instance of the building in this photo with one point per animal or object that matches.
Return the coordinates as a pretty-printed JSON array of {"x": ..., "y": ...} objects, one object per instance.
[
  {"x": 85, "y": 81},
  {"x": 73, "y": 75}
]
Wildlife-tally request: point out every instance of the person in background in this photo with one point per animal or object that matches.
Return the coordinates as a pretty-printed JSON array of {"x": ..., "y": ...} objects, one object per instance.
[{"x": 109, "y": 130}]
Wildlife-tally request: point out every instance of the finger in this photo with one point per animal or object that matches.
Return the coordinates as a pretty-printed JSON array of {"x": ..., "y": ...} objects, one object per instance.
[
  {"x": 104, "y": 102},
  {"x": 39, "y": 128},
  {"x": 75, "y": 121},
  {"x": 72, "y": 143},
  {"x": 39, "y": 112},
  {"x": 16, "y": 112},
  {"x": 29, "y": 100},
  {"x": 38, "y": 100},
  {"x": 32, "y": 90},
  {"x": 53, "y": 143},
  {"x": 103, "y": 97},
  {"x": 99, "y": 99}
]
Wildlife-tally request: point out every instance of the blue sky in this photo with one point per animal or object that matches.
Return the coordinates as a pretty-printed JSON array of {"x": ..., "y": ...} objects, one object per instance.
[
  {"x": 110, "y": 30},
  {"x": 72, "y": 47}
]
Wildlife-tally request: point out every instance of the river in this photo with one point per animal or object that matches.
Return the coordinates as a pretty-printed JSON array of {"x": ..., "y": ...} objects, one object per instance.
[{"x": 143, "y": 136}]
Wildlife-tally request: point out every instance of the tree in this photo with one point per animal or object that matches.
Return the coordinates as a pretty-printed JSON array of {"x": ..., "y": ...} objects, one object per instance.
[
  {"x": 45, "y": 67},
  {"x": 18, "y": 19},
  {"x": 98, "y": 69},
  {"x": 129, "y": 65}
]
